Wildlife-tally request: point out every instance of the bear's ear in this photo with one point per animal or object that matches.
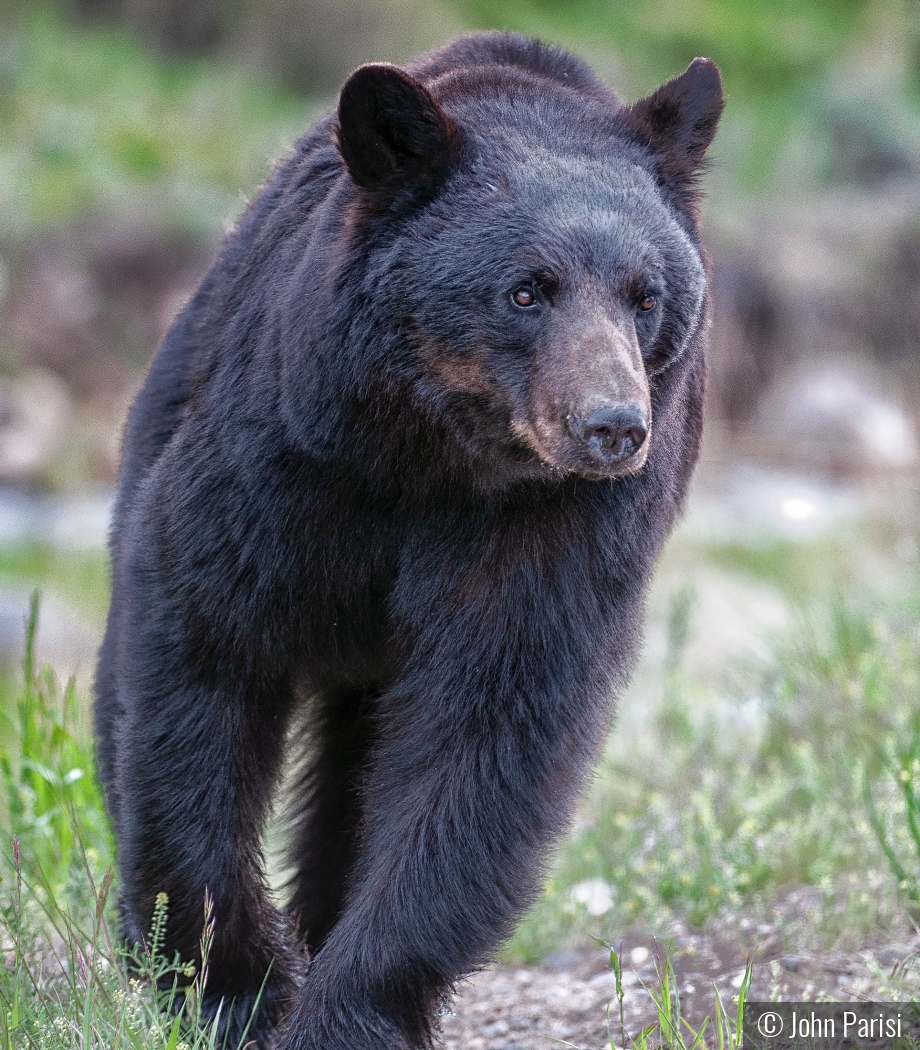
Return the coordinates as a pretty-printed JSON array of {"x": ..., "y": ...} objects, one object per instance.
[
  {"x": 680, "y": 117},
  {"x": 391, "y": 131}
]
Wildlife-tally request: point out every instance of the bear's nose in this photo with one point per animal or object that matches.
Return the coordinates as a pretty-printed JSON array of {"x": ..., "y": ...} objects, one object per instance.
[{"x": 613, "y": 431}]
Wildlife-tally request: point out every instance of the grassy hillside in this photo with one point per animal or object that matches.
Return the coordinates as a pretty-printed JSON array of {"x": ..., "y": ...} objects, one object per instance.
[{"x": 93, "y": 124}]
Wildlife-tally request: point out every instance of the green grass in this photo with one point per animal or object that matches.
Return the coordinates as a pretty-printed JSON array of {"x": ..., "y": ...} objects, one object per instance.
[
  {"x": 670, "y": 1028},
  {"x": 803, "y": 771},
  {"x": 781, "y": 63},
  {"x": 50, "y": 795},
  {"x": 78, "y": 577},
  {"x": 68, "y": 982},
  {"x": 762, "y": 48},
  {"x": 69, "y": 985},
  {"x": 93, "y": 124}
]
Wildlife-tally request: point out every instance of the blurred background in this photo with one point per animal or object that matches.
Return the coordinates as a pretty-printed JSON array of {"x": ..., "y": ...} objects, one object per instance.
[{"x": 133, "y": 131}]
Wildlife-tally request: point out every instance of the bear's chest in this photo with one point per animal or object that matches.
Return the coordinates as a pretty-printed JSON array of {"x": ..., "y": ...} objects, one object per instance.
[{"x": 345, "y": 580}]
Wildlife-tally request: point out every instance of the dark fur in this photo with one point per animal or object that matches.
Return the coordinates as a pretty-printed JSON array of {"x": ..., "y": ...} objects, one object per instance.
[{"x": 350, "y": 503}]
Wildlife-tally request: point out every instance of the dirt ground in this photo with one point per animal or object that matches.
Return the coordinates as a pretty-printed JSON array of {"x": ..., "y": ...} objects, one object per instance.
[{"x": 565, "y": 999}]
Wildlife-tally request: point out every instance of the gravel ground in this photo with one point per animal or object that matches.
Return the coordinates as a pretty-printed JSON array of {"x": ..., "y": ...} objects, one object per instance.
[{"x": 565, "y": 999}]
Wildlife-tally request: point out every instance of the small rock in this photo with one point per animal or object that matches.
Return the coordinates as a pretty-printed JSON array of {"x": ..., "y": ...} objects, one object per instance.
[
  {"x": 604, "y": 981},
  {"x": 891, "y": 954},
  {"x": 497, "y": 1028}
]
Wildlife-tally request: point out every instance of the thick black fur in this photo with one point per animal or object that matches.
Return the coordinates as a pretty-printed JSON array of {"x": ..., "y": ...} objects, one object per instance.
[{"x": 352, "y": 517}]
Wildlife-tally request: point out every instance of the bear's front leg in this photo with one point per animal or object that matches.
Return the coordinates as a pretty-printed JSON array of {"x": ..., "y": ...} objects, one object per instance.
[
  {"x": 481, "y": 750},
  {"x": 197, "y": 754}
]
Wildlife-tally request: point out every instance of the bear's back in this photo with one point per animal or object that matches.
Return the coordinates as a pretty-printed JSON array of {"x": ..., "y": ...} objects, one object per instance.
[{"x": 476, "y": 51}]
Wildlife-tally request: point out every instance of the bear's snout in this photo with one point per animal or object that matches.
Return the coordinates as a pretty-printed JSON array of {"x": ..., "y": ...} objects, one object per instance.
[
  {"x": 611, "y": 433},
  {"x": 590, "y": 400}
]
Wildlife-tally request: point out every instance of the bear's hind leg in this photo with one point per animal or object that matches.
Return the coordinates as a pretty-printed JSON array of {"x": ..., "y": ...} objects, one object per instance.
[{"x": 327, "y": 811}]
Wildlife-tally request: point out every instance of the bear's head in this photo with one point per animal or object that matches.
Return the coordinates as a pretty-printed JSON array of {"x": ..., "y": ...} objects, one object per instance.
[{"x": 536, "y": 247}]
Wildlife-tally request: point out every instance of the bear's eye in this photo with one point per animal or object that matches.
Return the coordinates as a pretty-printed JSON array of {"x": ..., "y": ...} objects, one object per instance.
[
  {"x": 524, "y": 296},
  {"x": 647, "y": 302}
]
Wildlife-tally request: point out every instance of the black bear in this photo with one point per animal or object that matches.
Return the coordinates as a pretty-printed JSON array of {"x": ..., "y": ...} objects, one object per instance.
[{"x": 391, "y": 496}]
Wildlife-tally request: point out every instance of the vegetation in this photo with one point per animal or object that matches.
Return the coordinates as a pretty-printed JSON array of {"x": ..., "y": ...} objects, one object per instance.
[
  {"x": 671, "y": 1029},
  {"x": 92, "y": 124},
  {"x": 67, "y": 982},
  {"x": 802, "y": 771},
  {"x": 79, "y": 577},
  {"x": 763, "y": 49},
  {"x": 791, "y": 71}
]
